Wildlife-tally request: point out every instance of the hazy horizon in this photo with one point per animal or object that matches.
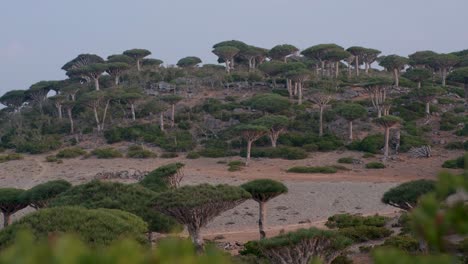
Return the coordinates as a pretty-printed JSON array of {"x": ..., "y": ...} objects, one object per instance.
[{"x": 40, "y": 36}]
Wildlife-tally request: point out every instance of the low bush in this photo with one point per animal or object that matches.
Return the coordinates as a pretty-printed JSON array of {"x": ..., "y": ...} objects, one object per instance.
[
  {"x": 169, "y": 155},
  {"x": 106, "y": 153},
  {"x": 368, "y": 155},
  {"x": 371, "y": 144},
  {"x": 458, "y": 163},
  {"x": 192, "y": 155},
  {"x": 308, "y": 169},
  {"x": 375, "y": 165},
  {"x": 289, "y": 153},
  {"x": 235, "y": 165},
  {"x": 311, "y": 142},
  {"x": 346, "y": 160},
  {"x": 8, "y": 157},
  {"x": 138, "y": 152},
  {"x": 365, "y": 233},
  {"x": 349, "y": 220},
  {"x": 52, "y": 158},
  {"x": 37, "y": 146},
  {"x": 157, "y": 180},
  {"x": 216, "y": 153},
  {"x": 408, "y": 141},
  {"x": 403, "y": 242},
  {"x": 463, "y": 132},
  {"x": 340, "y": 167},
  {"x": 69, "y": 153}
]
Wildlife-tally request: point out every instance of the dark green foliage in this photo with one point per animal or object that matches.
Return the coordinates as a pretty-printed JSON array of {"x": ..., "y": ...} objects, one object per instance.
[
  {"x": 169, "y": 155},
  {"x": 53, "y": 158},
  {"x": 192, "y": 155},
  {"x": 406, "y": 195},
  {"x": 365, "y": 233},
  {"x": 404, "y": 242},
  {"x": 308, "y": 169},
  {"x": 98, "y": 227},
  {"x": 449, "y": 121},
  {"x": 138, "y": 152},
  {"x": 235, "y": 165},
  {"x": 263, "y": 190},
  {"x": 408, "y": 141},
  {"x": 351, "y": 112},
  {"x": 458, "y": 163},
  {"x": 271, "y": 103},
  {"x": 346, "y": 160},
  {"x": 375, "y": 165},
  {"x": 457, "y": 145},
  {"x": 156, "y": 180},
  {"x": 371, "y": 144},
  {"x": 8, "y": 157},
  {"x": 40, "y": 195},
  {"x": 11, "y": 201},
  {"x": 463, "y": 132},
  {"x": 37, "y": 146},
  {"x": 130, "y": 198},
  {"x": 325, "y": 143},
  {"x": 106, "y": 153},
  {"x": 349, "y": 220},
  {"x": 188, "y": 62},
  {"x": 289, "y": 153},
  {"x": 368, "y": 155},
  {"x": 69, "y": 153}
]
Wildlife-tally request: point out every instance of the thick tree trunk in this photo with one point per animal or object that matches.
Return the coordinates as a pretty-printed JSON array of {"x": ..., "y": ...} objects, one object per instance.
[
  {"x": 96, "y": 83},
  {"x": 299, "y": 102},
  {"x": 356, "y": 61},
  {"x": 105, "y": 114},
  {"x": 337, "y": 69},
  {"x": 289, "y": 87},
  {"x": 196, "y": 239},
  {"x": 349, "y": 70},
  {"x": 350, "y": 130},
  {"x": 321, "y": 121},
  {"x": 261, "y": 219},
  {"x": 367, "y": 67},
  {"x": 161, "y": 121},
  {"x": 419, "y": 85},
  {"x": 274, "y": 138},
  {"x": 116, "y": 79},
  {"x": 172, "y": 115},
  {"x": 138, "y": 65},
  {"x": 133, "y": 111},
  {"x": 228, "y": 68},
  {"x": 323, "y": 67},
  {"x": 59, "y": 110},
  {"x": 70, "y": 117},
  {"x": 96, "y": 116},
  {"x": 379, "y": 112},
  {"x": 249, "y": 148},
  {"x": 397, "y": 77},
  {"x": 6, "y": 219},
  {"x": 428, "y": 108},
  {"x": 444, "y": 76},
  {"x": 387, "y": 139}
]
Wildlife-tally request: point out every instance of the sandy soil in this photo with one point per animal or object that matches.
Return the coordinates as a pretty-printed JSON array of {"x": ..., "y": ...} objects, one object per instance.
[{"x": 311, "y": 198}]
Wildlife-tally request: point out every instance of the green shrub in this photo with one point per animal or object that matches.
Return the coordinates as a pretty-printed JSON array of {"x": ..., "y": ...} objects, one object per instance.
[
  {"x": 216, "y": 153},
  {"x": 371, "y": 144},
  {"x": 403, "y": 242},
  {"x": 69, "y": 153},
  {"x": 138, "y": 152},
  {"x": 106, "y": 153},
  {"x": 235, "y": 165},
  {"x": 192, "y": 155},
  {"x": 346, "y": 160},
  {"x": 458, "y": 163},
  {"x": 455, "y": 145},
  {"x": 368, "y": 155},
  {"x": 307, "y": 169},
  {"x": 132, "y": 198},
  {"x": 462, "y": 132},
  {"x": 349, "y": 220},
  {"x": 52, "y": 158},
  {"x": 8, "y": 157},
  {"x": 37, "y": 146},
  {"x": 406, "y": 195},
  {"x": 340, "y": 167},
  {"x": 409, "y": 141},
  {"x": 313, "y": 142},
  {"x": 97, "y": 227},
  {"x": 310, "y": 147},
  {"x": 375, "y": 165},
  {"x": 365, "y": 233},
  {"x": 289, "y": 153},
  {"x": 156, "y": 180}
]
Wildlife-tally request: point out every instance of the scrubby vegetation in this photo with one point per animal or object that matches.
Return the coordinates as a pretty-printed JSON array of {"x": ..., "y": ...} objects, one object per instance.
[
  {"x": 458, "y": 163},
  {"x": 138, "y": 152},
  {"x": 69, "y": 153},
  {"x": 375, "y": 165},
  {"x": 106, "y": 153},
  {"x": 8, "y": 157},
  {"x": 306, "y": 169}
]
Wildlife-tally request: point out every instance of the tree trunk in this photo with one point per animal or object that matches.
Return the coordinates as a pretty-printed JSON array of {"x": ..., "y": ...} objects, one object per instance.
[
  {"x": 232, "y": 63},
  {"x": 196, "y": 239},
  {"x": 398, "y": 137},
  {"x": 105, "y": 114},
  {"x": 70, "y": 117},
  {"x": 228, "y": 68},
  {"x": 274, "y": 138},
  {"x": 367, "y": 67},
  {"x": 379, "y": 112},
  {"x": 337, "y": 69},
  {"x": 261, "y": 219},
  {"x": 351, "y": 130},
  {"x": 323, "y": 67},
  {"x": 249, "y": 147},
  {"x": 387, "y": 139},
  {"x": 444, "y": 75},
  {"x": 96, "y": 116},
  {"x": 428, "y": 108},
  {"x": 138, "y": 65},
  {"x": 299, "y": 102},
  {"x": 419, "y": 85},
  {"x": 356, "y": 61},
  {"x": 59, "y": 110},
  {"x": 116, "y": 79},
  {"x": 161, "y": 121},
  {"x": 6, "y": 219},
  {"x": 321, "y": 121},
  {"x": 289, "y": 87},
  {"x": 96, "y": 83},
  {"x": 397, "y": 77},
  {"x": 172, "y": 115},
  {"x": 133, "y": 111},
  {"x": 349, "y": 70}
]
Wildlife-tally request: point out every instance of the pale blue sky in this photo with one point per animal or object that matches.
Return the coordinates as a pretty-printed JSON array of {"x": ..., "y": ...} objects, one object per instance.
[{"x": 38, "y": 36}]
